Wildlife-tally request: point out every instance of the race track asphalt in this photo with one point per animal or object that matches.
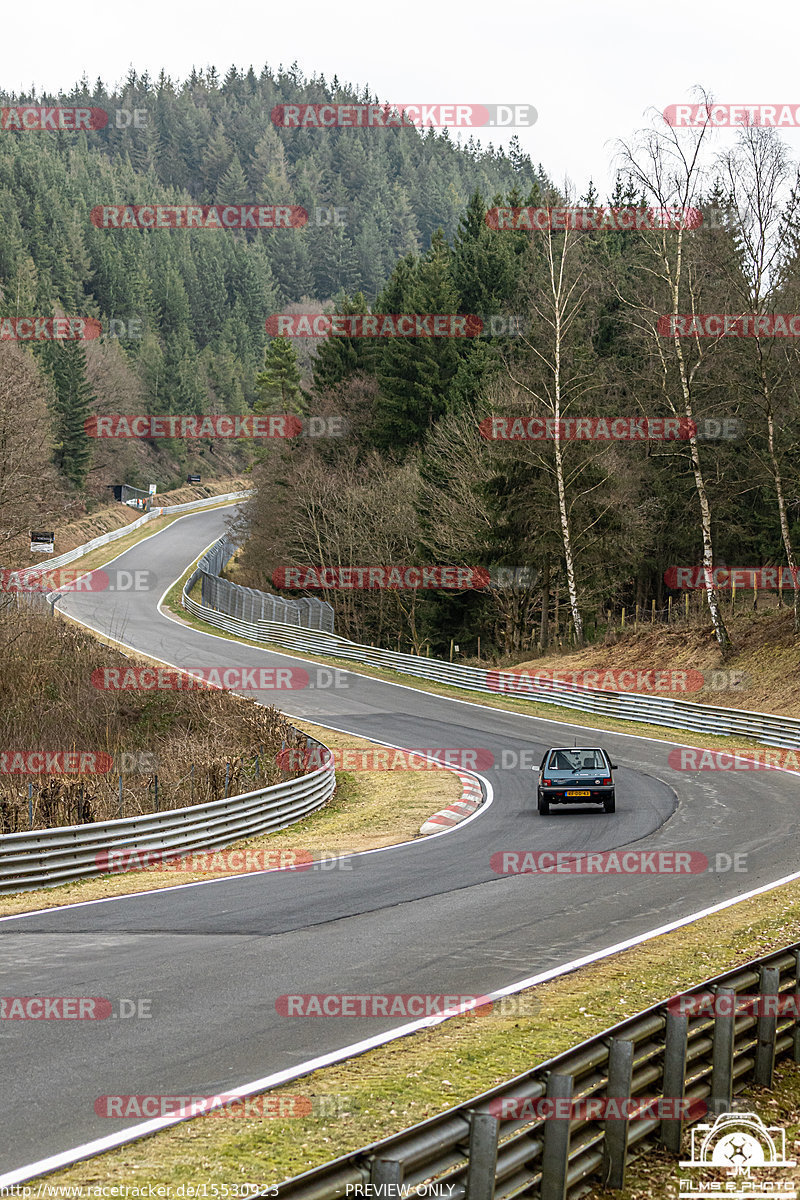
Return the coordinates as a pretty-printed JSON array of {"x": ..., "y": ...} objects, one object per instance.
[{"x": 430, "y": 916}]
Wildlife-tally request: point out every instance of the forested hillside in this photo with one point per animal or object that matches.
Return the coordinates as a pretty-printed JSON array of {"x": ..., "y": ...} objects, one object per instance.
[
  {"x": 440, "y": 465},
  {"x": 591, "y": 325},
  {"x": 194, "y": 302}
]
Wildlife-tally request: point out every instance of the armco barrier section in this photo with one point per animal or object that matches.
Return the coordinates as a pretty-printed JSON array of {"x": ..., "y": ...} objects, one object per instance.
[
  {"x": 660, "y": 1052},
  {"x": 115, "y": 534},
  {"x": 48, "y": 857},
  {"x": 41, "y": 600},
  {"x": 765, "y": 728},
  {"x": 248, "y": 606}
]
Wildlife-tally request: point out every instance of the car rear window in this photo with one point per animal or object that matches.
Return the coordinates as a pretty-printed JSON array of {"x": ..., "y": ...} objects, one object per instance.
[{"x": 577, "y": 760}]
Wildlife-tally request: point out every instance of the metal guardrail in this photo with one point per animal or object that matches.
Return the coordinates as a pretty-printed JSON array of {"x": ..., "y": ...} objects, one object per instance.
[
  {"x": 249, "y": 605},
  {"x": 660, "y": 1052},
  {"x": 48, "y": 857},
  {"x": 765, "y": 728},
  {"x": 115, "y": 534}
]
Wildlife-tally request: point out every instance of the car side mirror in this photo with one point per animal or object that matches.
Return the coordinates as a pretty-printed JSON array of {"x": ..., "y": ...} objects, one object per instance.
[{"x": 613, "y": 766}]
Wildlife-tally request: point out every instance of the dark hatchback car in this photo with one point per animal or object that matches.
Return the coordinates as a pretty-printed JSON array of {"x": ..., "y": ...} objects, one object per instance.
[{"x": 575, "y": 775}]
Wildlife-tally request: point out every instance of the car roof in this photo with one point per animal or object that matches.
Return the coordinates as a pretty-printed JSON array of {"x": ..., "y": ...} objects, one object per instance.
[{"x": 553, "y": 749}]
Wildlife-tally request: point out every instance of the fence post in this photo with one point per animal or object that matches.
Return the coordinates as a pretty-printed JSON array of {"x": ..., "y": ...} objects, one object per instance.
[
  {"x": 722, "y": 1056},
  {"x": 796, "y": 1054},
  {"x": 227, "y": 777},
  {"x": 615, "y": 1134},
  {"x": 120, "y": 796},
  {"x": 686, "y": 605},
  {"x": 766, "y": 1029},
  {"x": 622, "y": 623},
  {"x": 155, "y": 793},
  {"x": 555, "y": 1150},
  {"x": 674, "y": 1083},
  {"x": 483, "y": 1130},
  {"x": 669, "y": 610},
  {"x": 387, "y": 1175},
  {"x": 30, "y": 806}
]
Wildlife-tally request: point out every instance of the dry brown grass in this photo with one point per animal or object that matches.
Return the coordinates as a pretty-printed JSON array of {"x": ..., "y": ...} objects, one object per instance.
[
  {"x": 202, "y": 741},
  {"x": 368, "y": 809}
]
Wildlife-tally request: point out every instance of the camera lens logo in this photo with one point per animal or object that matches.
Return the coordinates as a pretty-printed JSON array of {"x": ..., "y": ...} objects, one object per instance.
[{"x": 741, "y": 1143}]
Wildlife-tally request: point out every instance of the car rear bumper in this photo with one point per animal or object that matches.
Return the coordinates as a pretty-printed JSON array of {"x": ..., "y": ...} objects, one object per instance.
[{"x": 559, "y": 795}]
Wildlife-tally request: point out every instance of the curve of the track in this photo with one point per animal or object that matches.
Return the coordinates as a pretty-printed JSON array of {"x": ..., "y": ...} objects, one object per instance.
[{"x": 429, "y": 916}]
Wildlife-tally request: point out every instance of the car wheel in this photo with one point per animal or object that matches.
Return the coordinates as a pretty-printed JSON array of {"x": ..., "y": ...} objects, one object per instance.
[
  {"x": 544, "y": 807},
  {"x": 609, "y": 806}
]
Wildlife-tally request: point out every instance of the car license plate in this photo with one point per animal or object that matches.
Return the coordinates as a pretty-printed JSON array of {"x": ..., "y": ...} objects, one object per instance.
[{"x": 579, "y": 793}]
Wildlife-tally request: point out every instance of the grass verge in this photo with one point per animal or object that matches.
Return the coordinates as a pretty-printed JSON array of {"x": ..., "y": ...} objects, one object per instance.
[{"x": 392, "y": 1087}]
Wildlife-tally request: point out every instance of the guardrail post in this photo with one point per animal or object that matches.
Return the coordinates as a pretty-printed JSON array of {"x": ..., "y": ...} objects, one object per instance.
[
  {"x": 483, "y": 1130},
  {"x": 796, "y": 1054},
  {"x": 722, "y": 1057},
  {"x": 674, "y": 1084},
  {"x": 615, "y": 1137},
  {"x": 766, "y": 1029},
  {"x": 387, "y": 1175},
  {"x": 555, "y": 1151}
]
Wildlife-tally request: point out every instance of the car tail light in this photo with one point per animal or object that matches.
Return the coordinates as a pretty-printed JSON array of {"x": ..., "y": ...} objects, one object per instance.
[
  {"x": 547, "y": 782},
  {"x": 606, "y": 780}
]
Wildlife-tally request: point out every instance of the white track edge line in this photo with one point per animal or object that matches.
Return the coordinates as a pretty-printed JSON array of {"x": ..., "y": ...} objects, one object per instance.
[{"x": 99, "y": 1145}]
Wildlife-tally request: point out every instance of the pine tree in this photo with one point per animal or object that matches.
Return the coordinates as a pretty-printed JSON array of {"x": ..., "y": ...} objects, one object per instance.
[
  {"x": 73, "y": 398},
  {"x": 278, "y": 384}
]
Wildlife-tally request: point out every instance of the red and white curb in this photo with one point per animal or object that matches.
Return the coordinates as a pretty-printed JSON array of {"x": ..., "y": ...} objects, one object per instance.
[{"x": 471, "y": 798}]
